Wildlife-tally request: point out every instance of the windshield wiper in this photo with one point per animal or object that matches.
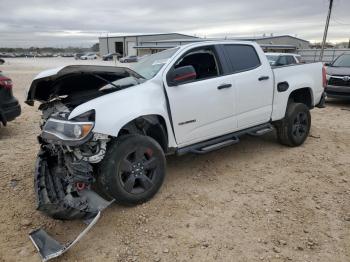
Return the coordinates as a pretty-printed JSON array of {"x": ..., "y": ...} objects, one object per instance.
[{"x": 104, "y": 79}]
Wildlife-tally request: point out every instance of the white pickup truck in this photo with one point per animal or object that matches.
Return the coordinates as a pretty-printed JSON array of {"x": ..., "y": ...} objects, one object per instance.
[{"x": 111, "y": 127}]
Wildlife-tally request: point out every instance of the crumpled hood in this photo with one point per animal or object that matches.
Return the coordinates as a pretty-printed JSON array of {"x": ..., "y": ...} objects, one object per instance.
[
  {"x": 338, "y": 71},
  {"x": 67, "y": 80}
]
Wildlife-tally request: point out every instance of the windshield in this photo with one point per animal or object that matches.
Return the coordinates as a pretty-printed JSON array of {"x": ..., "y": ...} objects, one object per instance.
[
  {"x": 150, "y": 66},
  {"x": 272, "y": 58},
  {"x": 342, "y": 61}
]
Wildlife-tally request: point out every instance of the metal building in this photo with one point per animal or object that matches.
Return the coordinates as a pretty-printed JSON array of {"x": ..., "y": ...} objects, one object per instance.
[
  {"x": 126, "y": 44},
  {"x": 142, "y": 44}
]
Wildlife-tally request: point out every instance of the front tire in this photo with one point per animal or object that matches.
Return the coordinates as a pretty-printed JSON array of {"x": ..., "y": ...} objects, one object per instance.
[
  {"x": 294, "y": 129},
  {"x": 133, "y": 169}
]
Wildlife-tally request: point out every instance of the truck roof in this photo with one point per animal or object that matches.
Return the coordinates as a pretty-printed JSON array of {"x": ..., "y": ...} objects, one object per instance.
[
  {"x": 216, "y": 42},
  {"x": 278, "y": 54}
]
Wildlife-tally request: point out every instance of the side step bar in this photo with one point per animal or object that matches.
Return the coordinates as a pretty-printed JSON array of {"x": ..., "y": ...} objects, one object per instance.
[
  {"x": 224, "y": 141},
  {"x": 261, "y": 132},
  {"x": 210, "y": 148}
]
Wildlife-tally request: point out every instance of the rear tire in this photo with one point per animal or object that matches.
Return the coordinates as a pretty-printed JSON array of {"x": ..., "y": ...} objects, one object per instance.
[
  {"x": 133, "y": 169},
  {"x": 294, "y": 129}
]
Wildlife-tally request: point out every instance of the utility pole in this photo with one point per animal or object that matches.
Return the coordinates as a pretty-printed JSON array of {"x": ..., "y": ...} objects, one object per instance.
[{"x": 326, "y": 29}]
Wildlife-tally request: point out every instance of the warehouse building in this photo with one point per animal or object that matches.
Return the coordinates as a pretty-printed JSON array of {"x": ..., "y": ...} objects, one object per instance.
[
  {"x": 142, "y": 44},
  {"x": 126, "y": 44}
]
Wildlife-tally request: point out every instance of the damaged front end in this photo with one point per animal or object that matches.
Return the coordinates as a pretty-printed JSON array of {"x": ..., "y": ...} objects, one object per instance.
[
  {"x": 64, "y": 174},
  {"x": 66, "y": 165},
  {"x": 70, "y": 151}
]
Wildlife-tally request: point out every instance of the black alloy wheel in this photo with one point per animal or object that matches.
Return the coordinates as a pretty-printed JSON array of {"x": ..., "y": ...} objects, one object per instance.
[{"x": 133, "y": 169}]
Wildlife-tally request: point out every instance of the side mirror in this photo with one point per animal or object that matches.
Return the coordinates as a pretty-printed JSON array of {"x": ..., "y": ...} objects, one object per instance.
[
  {"x": 182, "y": 75},
  {"x": 328, "y": 64}
]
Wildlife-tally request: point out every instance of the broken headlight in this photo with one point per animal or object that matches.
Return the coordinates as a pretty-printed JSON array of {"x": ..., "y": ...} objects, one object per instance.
[{"x": 73, "y": 130}]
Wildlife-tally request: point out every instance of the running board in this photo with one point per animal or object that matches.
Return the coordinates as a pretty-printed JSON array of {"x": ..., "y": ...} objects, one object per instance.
[
  {"x": 262, "y": 131},
  {"x": 224, "y": 141},
  {"x": 217, "y": 146}
]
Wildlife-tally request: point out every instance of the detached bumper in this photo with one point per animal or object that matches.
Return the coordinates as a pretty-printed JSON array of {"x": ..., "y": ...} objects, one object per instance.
[
  {"x": 50, "y": 248},
  {"x": 9, "y": 111}
]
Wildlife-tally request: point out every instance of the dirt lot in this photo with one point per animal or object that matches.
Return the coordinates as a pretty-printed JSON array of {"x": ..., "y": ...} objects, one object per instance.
[{"x": 256, "y": 201}]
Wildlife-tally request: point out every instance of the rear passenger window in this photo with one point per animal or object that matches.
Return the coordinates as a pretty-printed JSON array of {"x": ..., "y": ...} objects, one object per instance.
[
  {"x": 242, "y": 57},
  {"x": 282, "y": 61},
  {"x": 291, "y": 60}
]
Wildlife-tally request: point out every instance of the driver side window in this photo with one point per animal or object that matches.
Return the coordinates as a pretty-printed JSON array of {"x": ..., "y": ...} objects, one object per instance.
[{"x": 204, "y": 62}]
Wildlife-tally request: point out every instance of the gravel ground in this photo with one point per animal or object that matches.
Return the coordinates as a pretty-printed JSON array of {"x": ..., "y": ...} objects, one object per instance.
[{"x": 255, "y": 201}]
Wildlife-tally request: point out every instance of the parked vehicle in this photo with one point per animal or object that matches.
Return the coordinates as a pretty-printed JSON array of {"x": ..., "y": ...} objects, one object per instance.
[
  {"x": 67, "y": 55},
  {"x": 338, "y": 77},
  {"x": 112, "y": 127},
  {"x": 89, "y": 56},
  {"x": 110, "y": 56},
  {"x": 9, "y": 106},
  {"x": 129, "y": 59},
  {"x": 78, "y": 56},
  {"x": 7, "y": 55},
  {"x": 283, "y": 59}
]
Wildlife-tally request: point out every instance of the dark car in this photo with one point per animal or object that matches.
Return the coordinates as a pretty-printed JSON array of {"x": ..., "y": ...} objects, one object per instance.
[
  {"x": 9, "y": 106},
  {"x": 110, "y": 56},
  {"x": 338, "y": 77},
  {"x": 78, "y": 56},
  {"x": 129, "y": 59}
]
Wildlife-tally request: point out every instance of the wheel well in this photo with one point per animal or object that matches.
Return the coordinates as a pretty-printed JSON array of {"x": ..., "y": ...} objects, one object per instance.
[
  {"x": 151, "y": 125},
  {"x": 303, "y": 95}
]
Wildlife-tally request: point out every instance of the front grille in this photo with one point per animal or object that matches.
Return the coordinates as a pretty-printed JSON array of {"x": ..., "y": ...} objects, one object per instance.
[{"x": 338, "y": 82}]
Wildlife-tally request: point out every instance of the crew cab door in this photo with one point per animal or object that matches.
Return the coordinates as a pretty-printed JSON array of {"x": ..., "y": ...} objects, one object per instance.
[
  {"x": 204, "y": 107},
  {"x": 253, "y": 80}
]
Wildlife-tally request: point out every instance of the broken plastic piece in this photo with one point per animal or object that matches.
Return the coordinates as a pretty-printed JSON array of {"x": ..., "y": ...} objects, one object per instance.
[{"x": 49, "y": 248}]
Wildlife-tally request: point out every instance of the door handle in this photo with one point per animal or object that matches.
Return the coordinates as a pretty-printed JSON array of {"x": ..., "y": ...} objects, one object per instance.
[
  {"x": 224, "y": 86},
  {"x": 262, "y": 78}
]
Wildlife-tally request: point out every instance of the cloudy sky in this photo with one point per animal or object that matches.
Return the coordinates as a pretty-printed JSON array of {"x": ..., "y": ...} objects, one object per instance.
[{"x": 61, "y": 23}]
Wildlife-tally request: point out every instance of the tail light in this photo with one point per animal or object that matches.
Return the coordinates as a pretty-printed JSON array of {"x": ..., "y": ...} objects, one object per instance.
[
  {"x": 5, "y": 82},
  {"x": 324, "y": 77}
]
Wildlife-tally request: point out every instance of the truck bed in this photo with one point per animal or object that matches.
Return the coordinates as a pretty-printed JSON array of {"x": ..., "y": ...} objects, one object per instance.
[{"x": 297, "y": 76}]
